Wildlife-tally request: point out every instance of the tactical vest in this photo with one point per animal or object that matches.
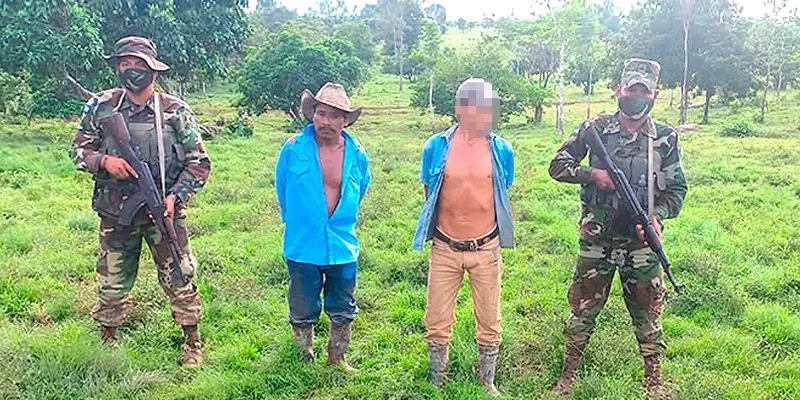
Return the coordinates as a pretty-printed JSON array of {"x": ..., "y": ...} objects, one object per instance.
[
  {"x": 631, "y": 158},
  {"x": 110, "y": 193}
]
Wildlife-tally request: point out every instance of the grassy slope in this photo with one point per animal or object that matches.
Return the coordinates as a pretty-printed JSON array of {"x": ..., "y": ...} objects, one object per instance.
[{"x": 735, "y": 334}]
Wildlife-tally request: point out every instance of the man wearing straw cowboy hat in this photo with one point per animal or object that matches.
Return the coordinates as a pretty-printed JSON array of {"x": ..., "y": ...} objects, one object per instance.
[
  {"x": 322, "y": 175},
  {"x": 165, "y": 136}
]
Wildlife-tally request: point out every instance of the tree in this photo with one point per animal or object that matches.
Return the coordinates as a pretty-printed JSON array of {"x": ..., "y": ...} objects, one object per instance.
[
  {"x": 586, "y": 50},
  {"x": 685, "y": 12},
  {"x": 490, "y": 61},
  {"x": 428, "y": 54},
  {"x": 360, "y": 35},
  {"x": 775, "y": 44},
  {"x": 461, "y": 24},
  {"x": 437, "y": 13},
  {"x": 196, "y": 38},
  {"x": 534, "y": 57},
  {"x": 275, "y": 76},
  {"x": 52, "y": 46},
  {"x": 399, "y": 23}
]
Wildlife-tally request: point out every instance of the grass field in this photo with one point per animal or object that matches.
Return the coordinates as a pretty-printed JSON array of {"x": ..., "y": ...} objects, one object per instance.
[{"x": 735, "y": 334}]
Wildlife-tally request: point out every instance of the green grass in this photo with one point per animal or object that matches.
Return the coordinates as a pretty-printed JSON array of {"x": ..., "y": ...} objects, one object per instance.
[{"x": 735, "y": 334}]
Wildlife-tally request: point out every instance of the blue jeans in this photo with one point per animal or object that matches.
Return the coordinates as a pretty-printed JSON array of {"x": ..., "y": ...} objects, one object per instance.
[{"x": 307, "y": 281}]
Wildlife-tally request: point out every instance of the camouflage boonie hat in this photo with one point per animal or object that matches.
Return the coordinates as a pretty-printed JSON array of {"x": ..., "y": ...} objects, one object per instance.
[
  {"x": 641, "y": 71},
  {"x": 137, "y": 47}
]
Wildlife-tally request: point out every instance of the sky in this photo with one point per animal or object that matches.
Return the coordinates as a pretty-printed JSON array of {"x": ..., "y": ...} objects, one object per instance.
[{"x": 476, "y": 10}]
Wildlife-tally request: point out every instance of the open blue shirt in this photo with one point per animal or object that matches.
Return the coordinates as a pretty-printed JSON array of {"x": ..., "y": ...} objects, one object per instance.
[
  {"x": 311, "y": 236},
  {"x": 434, "y": 158}
]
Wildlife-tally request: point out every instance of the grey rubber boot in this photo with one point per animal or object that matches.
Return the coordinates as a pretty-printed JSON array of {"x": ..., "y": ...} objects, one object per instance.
[
  {"x": 439, "y": 356},
  {"x": 304, "y": 342},
  {"x": 487, "y": 366}
]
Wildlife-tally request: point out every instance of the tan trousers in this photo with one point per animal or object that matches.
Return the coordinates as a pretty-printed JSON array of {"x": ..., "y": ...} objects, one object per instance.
[{"x": 446, "y": 273}]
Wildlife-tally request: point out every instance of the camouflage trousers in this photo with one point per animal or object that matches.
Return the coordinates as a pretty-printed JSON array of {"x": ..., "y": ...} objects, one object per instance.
[
  {"x": 118, "y": 265},
  {"x": 642, "y": 288}
]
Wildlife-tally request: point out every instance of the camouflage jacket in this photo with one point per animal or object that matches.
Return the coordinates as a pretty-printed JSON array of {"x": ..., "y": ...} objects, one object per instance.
[
  {"x": 186, "y": 163},
  {"x": 603, "y": 217}
]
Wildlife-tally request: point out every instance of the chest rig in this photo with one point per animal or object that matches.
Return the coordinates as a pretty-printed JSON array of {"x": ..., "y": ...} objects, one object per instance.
[
  {"x": 154, "y": 143},
  {"x": 634, "y": 154}
]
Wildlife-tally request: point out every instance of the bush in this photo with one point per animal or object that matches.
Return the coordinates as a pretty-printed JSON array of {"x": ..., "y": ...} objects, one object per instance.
[
  {"x": 275, "y": 76},
  {"x": 487, "y": 61},
  {"x": 15, "y": 97},
  {"x": 739, "y": 128},
  {"x": 242, "y": 127}
]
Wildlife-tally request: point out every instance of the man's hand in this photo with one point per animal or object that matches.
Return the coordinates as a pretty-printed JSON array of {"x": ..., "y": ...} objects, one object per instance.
[
  {"x": 656, "y": 227},
  {"x": 602, "y": 180},
  {"x": 169, "y": 205},
  {"x": 118, "y": 167}
]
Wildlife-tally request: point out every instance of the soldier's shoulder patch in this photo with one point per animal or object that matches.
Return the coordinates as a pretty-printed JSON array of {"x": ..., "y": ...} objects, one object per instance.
[{"x": 90, "y": 106}]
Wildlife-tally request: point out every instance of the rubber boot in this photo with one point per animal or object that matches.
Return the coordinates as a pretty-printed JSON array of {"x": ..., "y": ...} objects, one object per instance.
[
  {"x": 439, "y": 356},
  {"x": 338, "y": 342},
  {"x": 304, "y": 341},
  {"x": 487, "y": 366}
]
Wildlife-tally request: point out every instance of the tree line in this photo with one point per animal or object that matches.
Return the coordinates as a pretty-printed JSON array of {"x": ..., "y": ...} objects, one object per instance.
[{"x": 52, "y": 51}]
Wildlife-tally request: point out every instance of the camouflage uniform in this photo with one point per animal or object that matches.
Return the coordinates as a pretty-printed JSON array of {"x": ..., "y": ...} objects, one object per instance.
[
  {"x": 608, "y": 239},
  {"x": 187, "y": 169}
]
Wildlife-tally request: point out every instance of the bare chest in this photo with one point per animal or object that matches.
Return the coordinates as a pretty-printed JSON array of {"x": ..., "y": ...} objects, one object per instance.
[
  {"x": 469, "y": 163},
  {"x": 332, "y": 161}
]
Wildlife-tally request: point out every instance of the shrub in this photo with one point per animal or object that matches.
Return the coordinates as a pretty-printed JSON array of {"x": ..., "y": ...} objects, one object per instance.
[{"x": 739, "y": 128}]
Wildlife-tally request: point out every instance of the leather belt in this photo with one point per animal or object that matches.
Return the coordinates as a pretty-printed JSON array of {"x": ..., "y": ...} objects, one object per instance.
[{"x": 466, "y": 245}]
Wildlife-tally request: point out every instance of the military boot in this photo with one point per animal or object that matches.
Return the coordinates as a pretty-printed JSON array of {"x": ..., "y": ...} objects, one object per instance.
[
  {"x": 108, "y": 335},
  {"x": 652, "y": 377},
  {"x": 439, "y": 359},
  {"x": 487, "y": 366},
  {"x": 192, "y": 348},
  {"x": 573, "y": 356},
  {"x": 304, "y": 341},
  {"x": 338, "y": 342}
]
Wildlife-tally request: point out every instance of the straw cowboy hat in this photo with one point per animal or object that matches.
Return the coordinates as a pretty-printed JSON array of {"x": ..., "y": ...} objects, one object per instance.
[
  {"x": 332, "y": 94},
  {"x": 137, "y": 47}
]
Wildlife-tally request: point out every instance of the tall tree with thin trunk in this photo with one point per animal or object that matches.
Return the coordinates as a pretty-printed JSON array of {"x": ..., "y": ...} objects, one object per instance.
[
  {"x": 561, "y": 39},
  {"x": 686, "y": 13}
]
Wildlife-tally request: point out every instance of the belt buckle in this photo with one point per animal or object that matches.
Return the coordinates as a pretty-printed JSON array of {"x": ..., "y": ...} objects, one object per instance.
[{"x": 472, "y": 245}]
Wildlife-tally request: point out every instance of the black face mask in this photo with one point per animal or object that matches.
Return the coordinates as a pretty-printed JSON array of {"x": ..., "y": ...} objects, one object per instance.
[
  {"x": 136, "y": 79},
  {"x": 635, "y": 107}
]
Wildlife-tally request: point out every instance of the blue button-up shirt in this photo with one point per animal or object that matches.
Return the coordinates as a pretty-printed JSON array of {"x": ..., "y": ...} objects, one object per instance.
[
  {"x": 434, "y": 158},
  {"x": 311, "y": 236}
]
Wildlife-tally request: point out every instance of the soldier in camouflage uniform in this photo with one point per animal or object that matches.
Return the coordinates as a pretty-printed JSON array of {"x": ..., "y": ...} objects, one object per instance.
[
  {"x": 186, "y": 171},
  {"x": 648, "y": 153}
]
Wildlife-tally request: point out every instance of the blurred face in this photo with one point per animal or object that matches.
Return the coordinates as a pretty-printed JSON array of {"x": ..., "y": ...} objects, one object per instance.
[
  {"x": 328, "y": 121},
  {"x": 135, "y": 74},
  {"x": 635, "y": 102},
  {"x": 475, "y": 118}
]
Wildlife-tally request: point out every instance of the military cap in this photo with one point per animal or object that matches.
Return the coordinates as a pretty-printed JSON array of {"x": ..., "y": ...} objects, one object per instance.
[
  {"x": 137, "y": 47},
  {"x": 637, "y": 70}
]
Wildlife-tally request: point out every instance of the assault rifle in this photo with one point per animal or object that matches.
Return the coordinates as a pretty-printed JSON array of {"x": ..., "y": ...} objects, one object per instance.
[
  {"x": 147, "y": 195},
  {"x": 639, "y": 216}
]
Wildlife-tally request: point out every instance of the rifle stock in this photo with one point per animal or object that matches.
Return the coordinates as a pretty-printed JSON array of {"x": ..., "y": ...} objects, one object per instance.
[{"x": 640, "y": 217}]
